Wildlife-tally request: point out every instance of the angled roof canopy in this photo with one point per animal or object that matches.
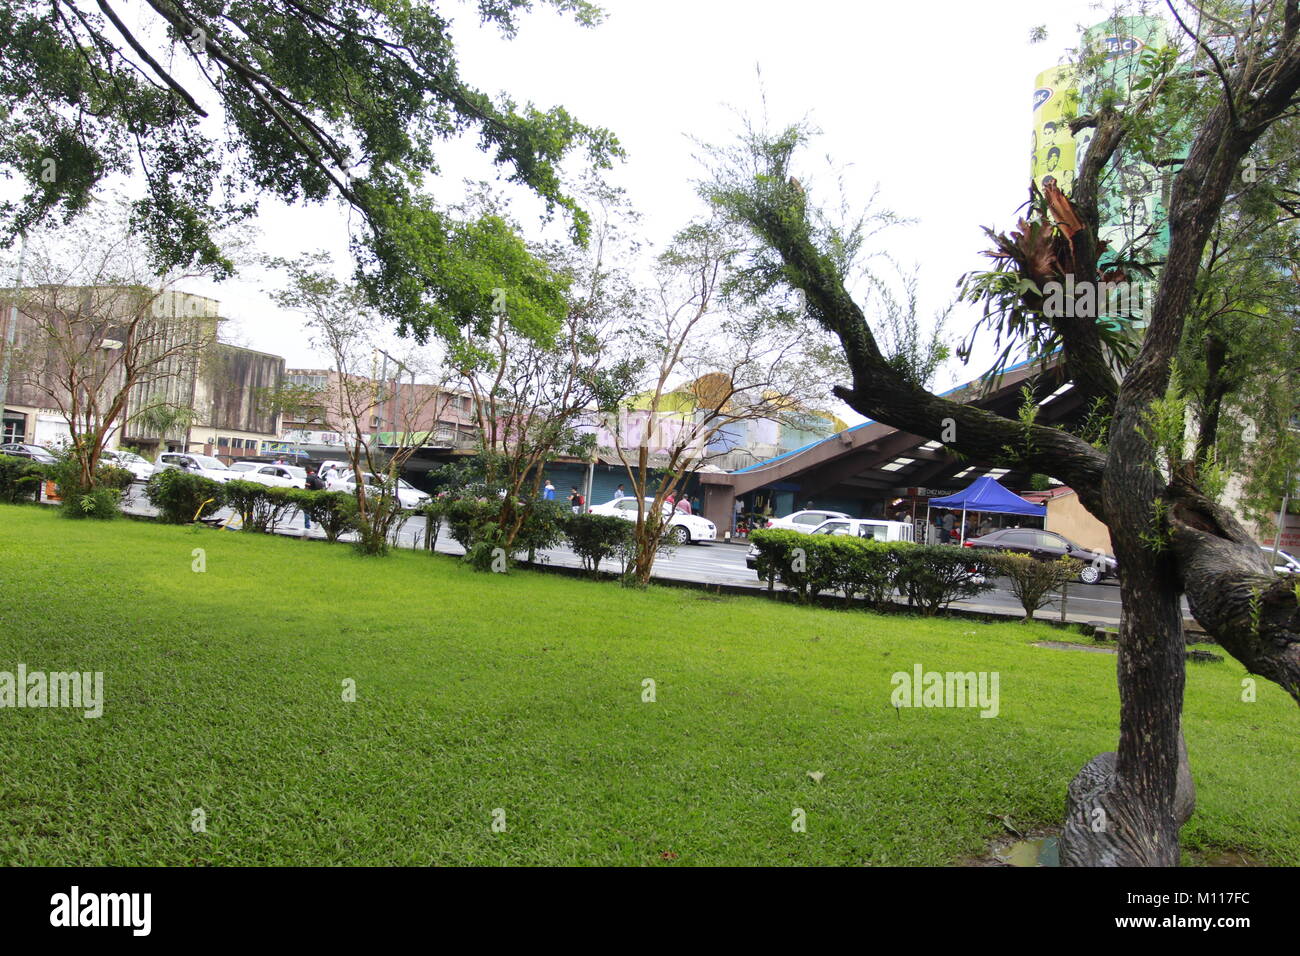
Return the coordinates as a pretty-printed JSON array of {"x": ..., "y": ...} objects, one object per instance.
[{"x": 985, "y": 494}]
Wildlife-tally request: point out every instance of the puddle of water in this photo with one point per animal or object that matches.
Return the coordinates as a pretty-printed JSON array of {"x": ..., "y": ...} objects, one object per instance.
[{"x": 1043, "y": 851}]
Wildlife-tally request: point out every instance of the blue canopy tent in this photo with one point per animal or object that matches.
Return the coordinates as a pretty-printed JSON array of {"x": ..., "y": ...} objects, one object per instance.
[{"x": 985, "y": 494}]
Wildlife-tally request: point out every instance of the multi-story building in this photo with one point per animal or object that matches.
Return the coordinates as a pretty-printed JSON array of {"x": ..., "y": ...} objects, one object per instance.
[
  {"x": 199, "y": 395},
  {"x": 396, "y": 412}
]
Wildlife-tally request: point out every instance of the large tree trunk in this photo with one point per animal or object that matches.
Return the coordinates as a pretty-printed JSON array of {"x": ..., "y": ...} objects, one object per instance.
[{"x": 1135, "y": 788}]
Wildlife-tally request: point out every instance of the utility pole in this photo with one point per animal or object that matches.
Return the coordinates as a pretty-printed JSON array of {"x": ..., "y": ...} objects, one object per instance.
[
  {"x": 1281, "y": 514},
  {"x": 11, "y": 332}
]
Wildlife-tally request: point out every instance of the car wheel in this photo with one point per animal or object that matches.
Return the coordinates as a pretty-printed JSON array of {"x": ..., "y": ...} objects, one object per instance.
[
  {"x": 1090, "y": 575},
  {"x": 681, "y": 535}
]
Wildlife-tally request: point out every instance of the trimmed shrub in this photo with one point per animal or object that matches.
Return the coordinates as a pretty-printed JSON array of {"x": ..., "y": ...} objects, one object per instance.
[
  {"x": 933, "y": 576},
  {"x": 260, "y": 507},
  {"x": 242, "y": 497},
  {"x": 334, "y": 511},
  {"x": 595, "y": 538},
  {"x": 180, "y": 497},
  {"x": 1033, "y": 581},
  {"x": 544, "y": 526},
  {"x": 473, "y": 521},
  {"x": 20, "y": 478},
  {"x": 811, "y": 564},
  {"x": 869, "y": 568}
]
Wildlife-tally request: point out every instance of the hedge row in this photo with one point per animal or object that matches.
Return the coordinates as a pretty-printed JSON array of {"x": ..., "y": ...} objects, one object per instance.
[
  {"x": 930, "y": 576},
  {"x": 21, "y": 479},
  {"x": 474, "y": 522},
  {"x": 182, "y": 497}
]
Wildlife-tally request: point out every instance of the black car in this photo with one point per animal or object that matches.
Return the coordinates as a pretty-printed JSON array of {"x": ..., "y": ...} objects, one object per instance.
[
  {"x": 34, "y": 452},
  {"x": 1049, "y": 546}
]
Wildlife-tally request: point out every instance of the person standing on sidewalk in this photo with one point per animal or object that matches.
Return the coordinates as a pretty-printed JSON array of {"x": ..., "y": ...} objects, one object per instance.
[{"x": 314, "y": 483}]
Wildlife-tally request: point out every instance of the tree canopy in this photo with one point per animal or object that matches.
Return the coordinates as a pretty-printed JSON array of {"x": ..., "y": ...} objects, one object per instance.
[{"x": 216, "y": 104}]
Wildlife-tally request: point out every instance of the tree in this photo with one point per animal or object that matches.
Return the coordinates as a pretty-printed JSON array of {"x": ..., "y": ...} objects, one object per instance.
[
  {"x": 344, "y": 328},
  {"x": 1169, "y": 537},
  {"x": 718, "y": 357},
  {"x": 534, "y": 396},
  {"x": 1238, "y": 365},
  {"x": 320, "y": 100},
  {"x": 101, "y": 339},
  {"x": 1033, "y": 581}
]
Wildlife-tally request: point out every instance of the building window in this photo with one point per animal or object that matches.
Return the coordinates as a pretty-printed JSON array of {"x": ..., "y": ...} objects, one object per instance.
[{"x": 15, "y": 430}]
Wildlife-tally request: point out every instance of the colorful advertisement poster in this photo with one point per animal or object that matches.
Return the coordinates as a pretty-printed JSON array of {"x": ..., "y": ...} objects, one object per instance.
[{"x": 1055, "y": 104}]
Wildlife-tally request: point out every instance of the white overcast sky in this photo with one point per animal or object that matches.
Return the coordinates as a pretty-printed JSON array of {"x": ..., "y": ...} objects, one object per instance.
[{"x": 931, "y": 101}]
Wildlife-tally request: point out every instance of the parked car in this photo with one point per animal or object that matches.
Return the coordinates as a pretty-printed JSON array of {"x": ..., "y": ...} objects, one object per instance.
[
  {"x": 34, "y": 452},
  {"x": 876, "y": 529},
  {"x": 140, "y": 467},
  {"x": 409, "y": 496},
  {"x": 1283, "y": 563},
  {"x": 804, "y": 520},
  {"x": 683, "y": 528},
  {"x": 276, "y": 476},
  {"x": 204, "y": 465},
  {"x": 1049, "y": 546}
]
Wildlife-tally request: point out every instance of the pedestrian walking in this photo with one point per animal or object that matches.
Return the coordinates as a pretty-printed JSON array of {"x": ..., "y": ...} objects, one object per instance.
[
  {"x": 619, "y": 493},
  {"x": 575, "y": 500},
  {"x": 548, "y": 491}
]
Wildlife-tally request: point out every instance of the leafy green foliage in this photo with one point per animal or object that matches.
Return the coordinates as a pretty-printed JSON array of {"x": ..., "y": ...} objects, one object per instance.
[
  {"x": 811, "y": 564},
  {"x": 20, "y": 478},
  {"x": 302, "y": 102},
  {"x": 334, "y": 511},
  {"x": 260, "y": 507},
  {"x": 933, "y": 576},
  {"x": 182, "y": 497},
  {"x": 1033, "y": 581},
  {"x": 101, "y": 500},
  {"x": 595, "y": 538}
]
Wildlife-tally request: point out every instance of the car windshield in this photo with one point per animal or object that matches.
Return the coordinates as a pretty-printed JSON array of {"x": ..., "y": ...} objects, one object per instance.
[
  {"x": 210, "y": 464},
  {"x": 243, "y": 466}
]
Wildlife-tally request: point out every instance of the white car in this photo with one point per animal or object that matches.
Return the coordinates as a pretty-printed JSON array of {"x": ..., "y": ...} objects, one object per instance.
[
  {"x": 141, "y": 468},
  {"x": 1283, "y": 563},
  {"x": 875, "y": 528},
  {"x": 276, "y": 476},
  {"x": 408, "y": 495},
  {"x": 204, "y": 465},
  {"x": 683, "y": 528},
  {"x": 804, "y": 520}
]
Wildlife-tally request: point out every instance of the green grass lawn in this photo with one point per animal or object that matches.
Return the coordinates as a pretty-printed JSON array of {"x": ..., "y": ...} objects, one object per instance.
[{"x": 524, "y": 692}]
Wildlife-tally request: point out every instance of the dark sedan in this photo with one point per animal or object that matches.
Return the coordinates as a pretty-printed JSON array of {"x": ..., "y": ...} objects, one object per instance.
[
  {"x": 1049, "y": 546},
  {"x": 34, "y": 452}
]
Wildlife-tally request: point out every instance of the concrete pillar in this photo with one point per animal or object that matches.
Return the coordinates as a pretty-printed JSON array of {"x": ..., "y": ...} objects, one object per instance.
[{"x": 718, "y": 504}]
